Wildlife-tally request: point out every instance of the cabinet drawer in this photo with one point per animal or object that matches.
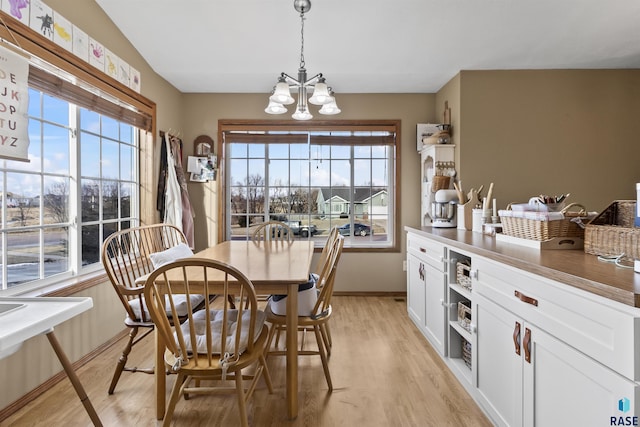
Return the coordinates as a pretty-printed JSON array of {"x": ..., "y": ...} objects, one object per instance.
[
  {"x": 600, "y": 328},
  {"x": 426, "y": 250}
]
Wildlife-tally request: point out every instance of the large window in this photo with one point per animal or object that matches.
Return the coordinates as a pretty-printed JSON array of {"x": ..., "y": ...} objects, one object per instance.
[
  {"x": 313, "y": 181},
  {"x": 80, "y": 185}
]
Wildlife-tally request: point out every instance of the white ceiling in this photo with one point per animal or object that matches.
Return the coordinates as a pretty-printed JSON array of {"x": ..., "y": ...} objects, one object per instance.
[{"x": 377, "y": 46}]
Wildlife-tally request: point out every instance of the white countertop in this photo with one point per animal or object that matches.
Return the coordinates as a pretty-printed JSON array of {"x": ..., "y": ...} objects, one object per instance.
[{"x": 35, "y": 316}]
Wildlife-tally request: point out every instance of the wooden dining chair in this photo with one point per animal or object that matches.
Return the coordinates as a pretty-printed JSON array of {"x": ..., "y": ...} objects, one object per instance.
[
  {"x": 322, "y": 259},
  {"x": 216, "y": 343},
  {"x": 273, "y": 230},
  {"x": 128, "y": 256},
  {"x": 319, "y": 316}
]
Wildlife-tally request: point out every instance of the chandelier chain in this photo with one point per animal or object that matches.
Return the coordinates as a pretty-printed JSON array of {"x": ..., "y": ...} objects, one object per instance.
[{"x": 302, "y": 63}]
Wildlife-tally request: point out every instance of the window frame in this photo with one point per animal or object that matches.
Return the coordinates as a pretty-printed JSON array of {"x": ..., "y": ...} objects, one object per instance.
[{"x": 392, "y": 126}]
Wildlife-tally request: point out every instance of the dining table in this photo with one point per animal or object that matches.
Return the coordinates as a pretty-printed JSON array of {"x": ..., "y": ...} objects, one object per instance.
[{"x": 273, "y": 267}]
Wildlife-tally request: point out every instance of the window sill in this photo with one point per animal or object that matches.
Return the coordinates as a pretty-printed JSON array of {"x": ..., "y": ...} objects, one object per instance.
[{"x": 67, "y": 287}]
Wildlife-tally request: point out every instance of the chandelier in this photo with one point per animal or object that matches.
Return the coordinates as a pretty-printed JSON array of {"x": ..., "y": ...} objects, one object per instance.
[{"x": 322, "y": 95}]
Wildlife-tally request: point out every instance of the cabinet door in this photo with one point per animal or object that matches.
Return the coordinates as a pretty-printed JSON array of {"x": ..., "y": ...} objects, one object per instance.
[
  {"x": 563, "y": 387},
  {"x": 435, "y": 313},
  {"x": 416, "y": 290},
  {"x": 498, "y": 352}
]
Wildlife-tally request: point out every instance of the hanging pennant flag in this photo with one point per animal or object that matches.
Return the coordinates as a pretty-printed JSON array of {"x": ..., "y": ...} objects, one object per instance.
[{"x": 14, "y": 105}]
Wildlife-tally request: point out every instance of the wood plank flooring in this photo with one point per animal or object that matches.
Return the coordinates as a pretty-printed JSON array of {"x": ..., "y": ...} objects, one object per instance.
[{"x": 384, "y": 374}]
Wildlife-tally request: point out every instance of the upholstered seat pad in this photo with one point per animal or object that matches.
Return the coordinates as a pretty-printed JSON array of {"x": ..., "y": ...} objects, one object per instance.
[
  {"x": 179, "y": 300},
  {"x": 306, "y": 302},
  {"x": 217, "y": 320}
]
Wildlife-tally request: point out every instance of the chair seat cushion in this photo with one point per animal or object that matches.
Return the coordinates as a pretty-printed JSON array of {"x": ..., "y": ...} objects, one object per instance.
[
  {"x": 180, "y": 302},
  {"x": 216, "y": 319},
  {"x": 307, "y": 297}
]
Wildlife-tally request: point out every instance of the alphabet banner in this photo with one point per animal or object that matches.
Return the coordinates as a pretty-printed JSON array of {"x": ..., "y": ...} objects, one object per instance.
[{"x": 14, "y": 106}]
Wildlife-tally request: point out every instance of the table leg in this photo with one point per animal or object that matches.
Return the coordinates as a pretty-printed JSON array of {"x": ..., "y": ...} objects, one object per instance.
[
  {"x": 75, "y": 381},
  {"x": 292, "y": 351},
  {"x": 161, "y": 377}
]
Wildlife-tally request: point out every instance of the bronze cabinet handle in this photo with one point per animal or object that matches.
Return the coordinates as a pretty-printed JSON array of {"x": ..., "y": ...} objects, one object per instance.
[
  {"x": 516, "y": 337},
  {"x": 527, "y": 344},
  {"x": 522, "y": 297}
]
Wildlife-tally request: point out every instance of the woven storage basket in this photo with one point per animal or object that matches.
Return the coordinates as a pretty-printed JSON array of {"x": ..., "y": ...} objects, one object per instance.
[
  {"x": 440, "y": 182},
  {"x": 612, "y": 232},
  {"x": 532, "y": 229}
]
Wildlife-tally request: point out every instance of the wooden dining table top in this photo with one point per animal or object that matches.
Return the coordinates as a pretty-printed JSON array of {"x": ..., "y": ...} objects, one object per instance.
[{"x": 270, "y": 265}]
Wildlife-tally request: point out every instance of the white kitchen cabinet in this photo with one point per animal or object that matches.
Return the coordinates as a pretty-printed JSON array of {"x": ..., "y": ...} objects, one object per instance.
[
  {"x": 543, "y": 353},
  {"x": 426, "y": 289},
  {"x": 526, "y": 377}
]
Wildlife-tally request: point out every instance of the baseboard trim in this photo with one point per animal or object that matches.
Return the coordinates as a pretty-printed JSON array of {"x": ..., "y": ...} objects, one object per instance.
[
  {"x": 370, "y": 294},
  {"x": 33, "y": 394}
]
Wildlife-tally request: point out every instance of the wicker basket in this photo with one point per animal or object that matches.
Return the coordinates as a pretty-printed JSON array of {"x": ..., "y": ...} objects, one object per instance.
[
  {"x": 612, "y": 233},
  {"x": 464, "y": 315},
  {"x": 533, "y": 229},
  {"x": 463, "y": 277},
  {"x": 440, "y": 182},
  {"x": 466, "y": 352}
]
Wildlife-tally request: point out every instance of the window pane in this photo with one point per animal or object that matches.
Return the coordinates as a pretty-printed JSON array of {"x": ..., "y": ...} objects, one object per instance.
[
  {"x": 56, "y": 149},
  {"x": 90, "y": 200},
  {"x": 55, "y": 110},
  {"x": 126, "y": 133},
  {"x": 90, "y": 155},
  {"x": 110, "y": 128},
  {"x": 56, "y": 200},
  {"x": 109, "y": 200},
  {"x": 23, "y": 257},
  {"x": 362, "y": 172},
  {"x": 299, "y": 151},
  {"x": 238, "y": 172},
  {"x": 126, "y": 162},
  {"x": 34, "y": 103},
  {"x": 299, "y": 171},
  {"x": 110, "y": 159},
  {"x": 35, "y": 147},
  {"x": 279, "y": 172},
  {"x": 256, "y": 150},
  {"x": 25, "y": 189},
  {"x": 340, "y": 173},
  {"x": 56, "y": 251},
  {"x": 278, "y": 151},
  {"x": 90, "y": 244},
  {"x": 89, "y": 121},
  {"x": 126, "y": 191}
]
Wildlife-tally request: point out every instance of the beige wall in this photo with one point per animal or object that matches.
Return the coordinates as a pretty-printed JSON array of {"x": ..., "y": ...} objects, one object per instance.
[{"x": 551, "y": 132}]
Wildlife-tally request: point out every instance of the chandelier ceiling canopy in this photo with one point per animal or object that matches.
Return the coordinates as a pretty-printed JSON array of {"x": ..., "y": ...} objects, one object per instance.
[{"x": 322, "y": 94}]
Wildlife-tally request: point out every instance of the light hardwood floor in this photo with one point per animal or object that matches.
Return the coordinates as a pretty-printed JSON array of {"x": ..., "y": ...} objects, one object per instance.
[{"x": 383, "y": 370}]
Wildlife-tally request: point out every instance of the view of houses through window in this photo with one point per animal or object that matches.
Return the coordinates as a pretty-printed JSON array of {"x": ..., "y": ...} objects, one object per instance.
[
  {"x": 312, "y": 186},
  {"x": 80, "y": 185}
]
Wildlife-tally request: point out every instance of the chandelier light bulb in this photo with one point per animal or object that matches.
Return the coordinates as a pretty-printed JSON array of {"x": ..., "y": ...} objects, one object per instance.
[
  {"x": 282, "y": 94},
  {"x": 275, "y": 108},
  {"x": 322, "y": 95},
  {"x": 330, "y": 109}
]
